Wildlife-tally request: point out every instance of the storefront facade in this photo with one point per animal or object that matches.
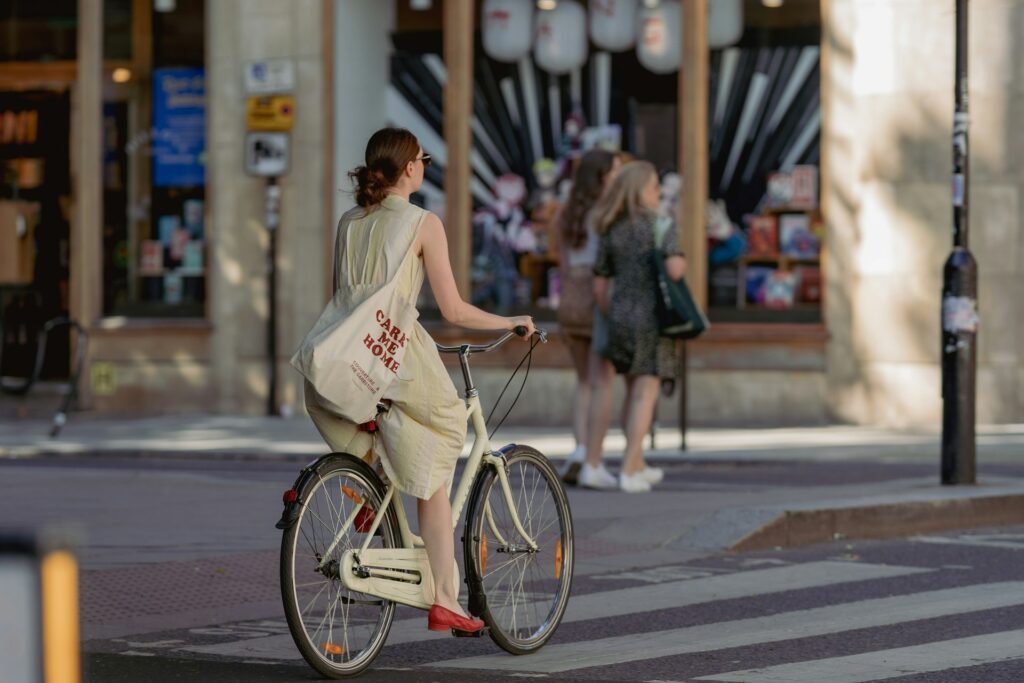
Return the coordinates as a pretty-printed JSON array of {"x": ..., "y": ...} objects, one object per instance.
[{"x": 167, "y": 260}]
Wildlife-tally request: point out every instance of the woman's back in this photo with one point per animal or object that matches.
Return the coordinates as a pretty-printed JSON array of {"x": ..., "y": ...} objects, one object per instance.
[
  {"x": 627, "y": 255},
  {"x": 373, "y": 243}
]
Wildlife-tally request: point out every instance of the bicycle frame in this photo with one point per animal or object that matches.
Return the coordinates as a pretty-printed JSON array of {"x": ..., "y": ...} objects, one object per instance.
[{"x": 403, "y": 574}]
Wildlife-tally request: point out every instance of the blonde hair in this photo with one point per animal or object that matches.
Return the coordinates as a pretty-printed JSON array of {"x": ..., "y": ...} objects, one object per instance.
[{"x": 624, "y": 195}]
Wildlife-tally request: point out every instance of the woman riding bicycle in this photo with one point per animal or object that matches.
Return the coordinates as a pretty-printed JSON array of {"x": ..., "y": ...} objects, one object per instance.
[{"x": 424, "y": 428}]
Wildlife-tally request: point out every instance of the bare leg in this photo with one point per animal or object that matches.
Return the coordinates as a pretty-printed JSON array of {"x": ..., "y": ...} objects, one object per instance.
[
  {"x": 644, "y": 394},
  {"x": 579, "y": 348},
  {"x": 435, "y": 515},
  {"x": 602, "y": 374}
]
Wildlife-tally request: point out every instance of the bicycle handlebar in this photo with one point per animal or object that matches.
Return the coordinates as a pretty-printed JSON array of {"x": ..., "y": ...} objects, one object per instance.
[{"x": 519, "y": 331}]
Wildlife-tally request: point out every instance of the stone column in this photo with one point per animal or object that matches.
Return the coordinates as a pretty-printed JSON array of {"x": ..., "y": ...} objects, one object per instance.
[{"x": 241, "y": 31}]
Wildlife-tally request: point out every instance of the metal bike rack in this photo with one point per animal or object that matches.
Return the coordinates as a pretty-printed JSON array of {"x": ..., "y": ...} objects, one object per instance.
[{"x": 60, "y": 417}]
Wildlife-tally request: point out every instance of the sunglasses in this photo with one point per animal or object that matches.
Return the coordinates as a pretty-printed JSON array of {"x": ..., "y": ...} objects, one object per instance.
[{"x": 426, "y": 159}]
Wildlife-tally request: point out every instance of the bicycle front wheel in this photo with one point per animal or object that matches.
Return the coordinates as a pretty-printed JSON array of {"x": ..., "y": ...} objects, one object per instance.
[
  {"x": 339, "y": 632},
  {"x": 526, "y": 589}
]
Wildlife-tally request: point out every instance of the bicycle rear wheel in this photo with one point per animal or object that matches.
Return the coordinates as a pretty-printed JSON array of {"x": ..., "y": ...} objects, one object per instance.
[
  {"x": 338, "y": 632},
  {"x": 526, "y": 590}
]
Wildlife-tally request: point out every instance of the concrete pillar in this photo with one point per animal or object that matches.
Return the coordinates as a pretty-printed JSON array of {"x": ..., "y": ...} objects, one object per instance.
[{"x": 241, "y": 31}]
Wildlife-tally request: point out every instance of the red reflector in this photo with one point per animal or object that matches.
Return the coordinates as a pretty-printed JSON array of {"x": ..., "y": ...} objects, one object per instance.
[{"x": 290, "y": 496}]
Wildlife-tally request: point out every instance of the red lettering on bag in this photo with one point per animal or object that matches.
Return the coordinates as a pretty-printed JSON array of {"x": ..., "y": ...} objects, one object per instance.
[
  {"x": 380, "y": 315},
  {"x": 368, "y": 341},
  {"x": 393, "y": 348}
]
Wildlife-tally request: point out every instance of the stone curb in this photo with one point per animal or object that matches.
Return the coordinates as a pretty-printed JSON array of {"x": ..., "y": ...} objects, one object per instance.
[{"x": 886, "y": 517}]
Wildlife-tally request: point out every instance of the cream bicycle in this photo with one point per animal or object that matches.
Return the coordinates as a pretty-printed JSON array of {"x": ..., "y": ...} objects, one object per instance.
[{"x": 348, "y": 555}]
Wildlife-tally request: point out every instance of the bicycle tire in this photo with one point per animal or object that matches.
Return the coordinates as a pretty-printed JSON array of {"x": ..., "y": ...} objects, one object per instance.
[
  {"x": 499, "y": 591},
  {"x": 328, "y": 654}
]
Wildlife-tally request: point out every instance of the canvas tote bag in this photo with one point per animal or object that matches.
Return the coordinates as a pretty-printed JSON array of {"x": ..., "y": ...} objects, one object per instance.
[{"x": 355, "y": 350}]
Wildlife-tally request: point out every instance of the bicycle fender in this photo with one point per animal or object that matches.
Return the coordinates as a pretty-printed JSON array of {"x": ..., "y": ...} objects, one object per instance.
[
  {"x": 301, "y": 485},
  {"x": 474, "y": 582}
]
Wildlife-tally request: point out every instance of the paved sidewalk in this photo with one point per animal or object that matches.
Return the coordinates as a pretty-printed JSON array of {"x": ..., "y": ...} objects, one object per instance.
[
  {"x": 296, "y": 439},
  {"x": 764, "y": 487}
]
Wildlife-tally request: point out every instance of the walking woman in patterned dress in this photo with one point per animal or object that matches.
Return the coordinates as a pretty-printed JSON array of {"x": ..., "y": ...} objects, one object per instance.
[
  {"x": 626, "y": 217},
  {"x": 424, "y": 428}
]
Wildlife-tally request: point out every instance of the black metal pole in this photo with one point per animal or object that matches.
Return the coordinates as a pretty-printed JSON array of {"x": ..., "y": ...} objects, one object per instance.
[
  {"x": 959, "y": 296},
  {"x": 683, "y": 408},
  {"x": 273, "y": 218}
]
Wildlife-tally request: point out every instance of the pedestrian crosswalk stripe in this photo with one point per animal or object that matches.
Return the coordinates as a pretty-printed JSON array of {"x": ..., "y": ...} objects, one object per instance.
[
  {"x": 621, "y": 601},
  {"x": 1005, "y": 541},
  {"x": 944, "y": 655},
  {"x": 744, "y": 632},
  {"x": 725, "y": 587}
]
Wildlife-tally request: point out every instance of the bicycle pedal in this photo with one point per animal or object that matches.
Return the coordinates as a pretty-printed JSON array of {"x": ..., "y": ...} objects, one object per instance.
[{"x": 458, "y": 633}]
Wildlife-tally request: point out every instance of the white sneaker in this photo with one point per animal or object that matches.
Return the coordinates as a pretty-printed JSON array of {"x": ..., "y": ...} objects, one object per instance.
[
  {"x": 578, "y": 455},
  {"x": 652, "y": 475},
  {"x": 634, "y": 483},
  {"x": 596, "y": 477}
]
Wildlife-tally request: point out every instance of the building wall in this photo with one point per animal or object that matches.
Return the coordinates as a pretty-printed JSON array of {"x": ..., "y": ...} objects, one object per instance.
[
  {"x": 888, "y": 107},
  {"x": 240, "y": 31},
  {"x": 362, "y": 52}
]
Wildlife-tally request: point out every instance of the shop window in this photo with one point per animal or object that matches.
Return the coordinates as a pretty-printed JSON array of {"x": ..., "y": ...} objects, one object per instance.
[
  {"x": 154, "y": 172},
  {"x": 551, "y": 84},
  {"x": 765, "y": 227},
  {"x": 35, "y": 31}
]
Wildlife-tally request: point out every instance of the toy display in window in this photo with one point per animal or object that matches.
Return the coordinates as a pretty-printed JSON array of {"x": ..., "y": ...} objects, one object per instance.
[{"x": 500, "y": 233}]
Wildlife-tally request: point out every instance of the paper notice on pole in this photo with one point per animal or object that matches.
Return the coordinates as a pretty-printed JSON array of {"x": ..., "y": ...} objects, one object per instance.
[
  {"x": 959, "y": 314},
  {"x": 958, "y": 189}
]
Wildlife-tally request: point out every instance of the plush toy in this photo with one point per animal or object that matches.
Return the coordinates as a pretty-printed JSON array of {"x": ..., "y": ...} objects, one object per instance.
[{"x": 727, "y": 242}]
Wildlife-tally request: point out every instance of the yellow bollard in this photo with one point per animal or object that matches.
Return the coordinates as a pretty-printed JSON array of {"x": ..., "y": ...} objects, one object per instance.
[{"x": 59, "y": 581}]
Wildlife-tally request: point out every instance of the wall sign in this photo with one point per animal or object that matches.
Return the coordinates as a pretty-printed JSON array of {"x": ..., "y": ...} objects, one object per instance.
[
  {"x": 266, "y": 154},
  {"x": 274, "y": 112},
  {"x": 270, "y": 76}
]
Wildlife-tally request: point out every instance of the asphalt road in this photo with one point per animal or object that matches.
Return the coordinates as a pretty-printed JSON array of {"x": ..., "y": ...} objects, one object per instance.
[{"x": 179, "y": 583}]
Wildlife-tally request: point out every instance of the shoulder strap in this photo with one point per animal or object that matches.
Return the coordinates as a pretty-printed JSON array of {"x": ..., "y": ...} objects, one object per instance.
[
  {"x": 334, "y": 259},
  {"x": 662, "y": 224}
]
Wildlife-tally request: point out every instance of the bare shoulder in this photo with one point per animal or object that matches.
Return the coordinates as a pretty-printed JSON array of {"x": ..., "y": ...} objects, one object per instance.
[
  {"x": 432, "y": 222},
  {"x": 432, "y": 228}
]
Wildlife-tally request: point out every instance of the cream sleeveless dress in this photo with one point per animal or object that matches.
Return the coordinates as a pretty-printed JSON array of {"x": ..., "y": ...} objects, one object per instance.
[{"x": 422, "y": 434}]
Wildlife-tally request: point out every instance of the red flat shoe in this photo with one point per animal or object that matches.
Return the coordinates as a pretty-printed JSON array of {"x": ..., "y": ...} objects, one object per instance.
[{"x": 442, "y": 619}]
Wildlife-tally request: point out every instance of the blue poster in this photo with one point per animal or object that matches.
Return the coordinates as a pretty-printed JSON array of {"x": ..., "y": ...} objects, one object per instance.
[{"x": 179, "y": 127}]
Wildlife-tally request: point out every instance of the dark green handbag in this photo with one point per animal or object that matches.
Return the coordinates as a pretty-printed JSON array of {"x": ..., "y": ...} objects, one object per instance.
[{"x": 679, "y": 316}]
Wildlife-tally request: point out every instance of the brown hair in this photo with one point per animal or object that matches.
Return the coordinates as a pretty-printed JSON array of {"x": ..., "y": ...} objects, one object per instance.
[
  {"x": 587, "y": 185},
  {"x": 623, "y": 197},
  {"x": 387, "y": 153}
]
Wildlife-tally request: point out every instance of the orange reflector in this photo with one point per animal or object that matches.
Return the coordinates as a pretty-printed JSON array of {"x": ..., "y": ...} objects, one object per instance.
[
  {"x": 483, "y": 552},
  {"x": 352, "y": 494},
  {"x": 558, "y": 559},
  {"x": 332, "y": 649}
]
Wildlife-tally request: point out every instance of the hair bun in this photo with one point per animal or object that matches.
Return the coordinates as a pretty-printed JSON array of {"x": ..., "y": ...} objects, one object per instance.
[{"x": 371, "y": 186}]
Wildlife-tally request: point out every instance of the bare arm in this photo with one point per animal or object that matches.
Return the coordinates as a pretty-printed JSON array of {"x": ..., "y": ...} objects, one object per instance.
[
  {"x": 601, "y": 293},
  {"x": 675, "y": 266},
  {"x": 434, "y": 247}
]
